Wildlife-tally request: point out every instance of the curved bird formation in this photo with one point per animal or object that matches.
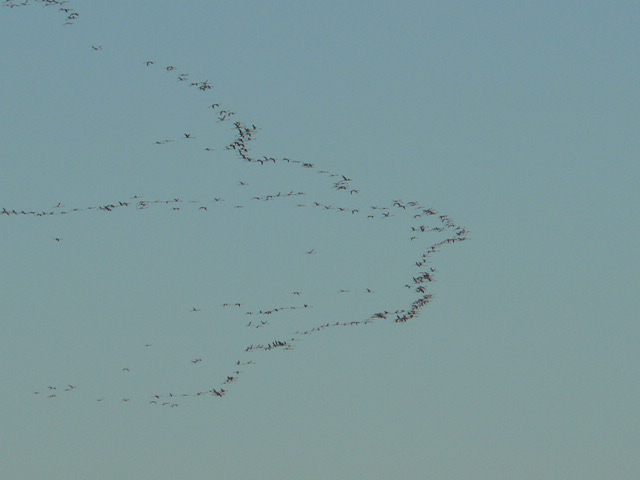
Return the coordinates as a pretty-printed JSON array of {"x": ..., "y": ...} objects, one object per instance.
[{"x": 426, "y": 220}]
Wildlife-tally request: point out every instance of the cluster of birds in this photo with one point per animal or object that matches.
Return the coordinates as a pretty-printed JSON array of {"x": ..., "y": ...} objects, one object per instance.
[
  {"x": 70, "y": 14},
  {"x": 244, "y": 134}
]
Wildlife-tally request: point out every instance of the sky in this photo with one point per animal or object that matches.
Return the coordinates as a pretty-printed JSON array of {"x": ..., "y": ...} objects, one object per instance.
[{"x": 172, "y": 306}]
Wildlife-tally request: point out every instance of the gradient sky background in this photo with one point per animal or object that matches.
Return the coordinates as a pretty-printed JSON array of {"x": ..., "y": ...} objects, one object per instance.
[{"x": 519, "y": 120}]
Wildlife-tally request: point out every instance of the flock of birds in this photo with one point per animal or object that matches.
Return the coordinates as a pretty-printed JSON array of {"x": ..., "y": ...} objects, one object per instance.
[{"x": 426, "y": 220}]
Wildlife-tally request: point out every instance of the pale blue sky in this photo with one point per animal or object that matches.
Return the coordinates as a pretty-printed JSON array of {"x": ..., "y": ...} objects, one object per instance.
[{"x": 518, "y": 120}]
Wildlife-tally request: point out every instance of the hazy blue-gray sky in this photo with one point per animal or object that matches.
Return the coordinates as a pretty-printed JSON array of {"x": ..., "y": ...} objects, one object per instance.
[{"x": 516, "y": 120}]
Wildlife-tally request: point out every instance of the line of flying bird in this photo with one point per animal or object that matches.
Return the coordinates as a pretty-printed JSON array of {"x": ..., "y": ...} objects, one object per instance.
[{"x": 244, "y": 134}]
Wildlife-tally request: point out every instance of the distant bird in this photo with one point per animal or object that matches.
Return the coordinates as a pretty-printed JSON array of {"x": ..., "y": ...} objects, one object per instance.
[{"x": 99, "y": 47}]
